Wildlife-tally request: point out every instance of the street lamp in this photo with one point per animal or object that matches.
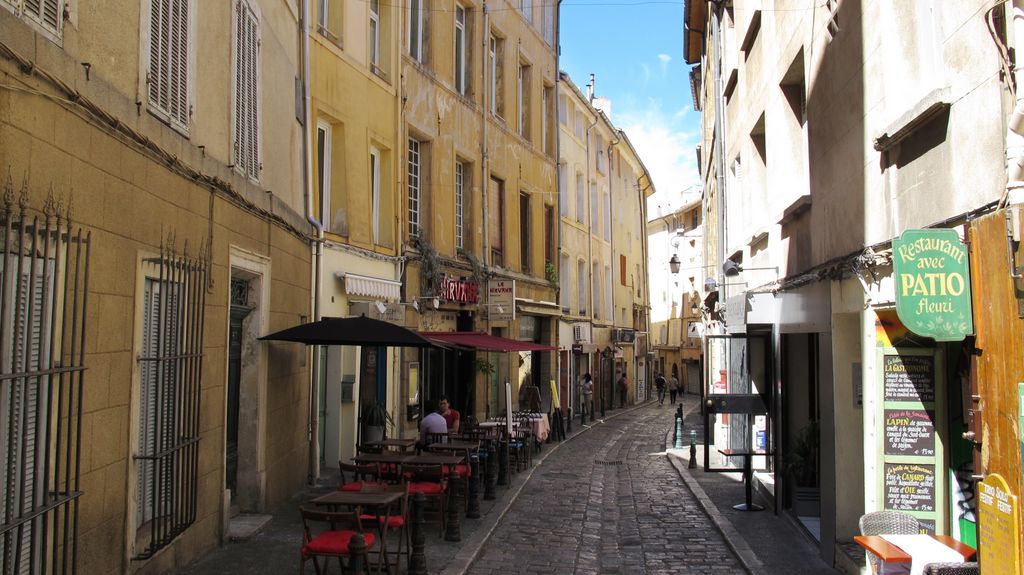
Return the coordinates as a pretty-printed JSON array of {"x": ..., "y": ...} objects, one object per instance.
[
  {"x": 673, "y": 264},
  {"x": 733, "y": 269}
]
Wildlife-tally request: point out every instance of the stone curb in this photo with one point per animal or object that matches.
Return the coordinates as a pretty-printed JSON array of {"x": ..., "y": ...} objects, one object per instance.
[
  {"x": 733, "y": 539},
  {"x": 464, "y": 559}
]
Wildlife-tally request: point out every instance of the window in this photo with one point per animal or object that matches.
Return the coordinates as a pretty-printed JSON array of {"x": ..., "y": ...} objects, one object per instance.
[
  {"x": 579, "y": 124},
  {"x": 247, "y": 80},
  {"x": 607, "y": 203},
  {"x": 833, "y": 18},
  {"x": 581, "y": 198},
  {"x": 496, "y": 57},
  {"x": 169, "y": 396},
  {"x": 622, "y": 269},
  {"x": 525, "y": 237},
  {"x": 549, "y": 22},
  {"x": 461, "y": 48},
  {"x": 328, "y": 20},
  {"x": 414, "y": 188},
  {"x": 496, "y": 220},
  {"x": 550, "y": 241},
  {"x": 599, "y": 158},
  {"x": 523, "y": 100},
  {"x": 375, "y": 192},
  {"x": 607, "y": 295},
  {"x": 526, "y": 7},
  {"x": 41, "y": 293},
  {"x": 416, "y": 29},
  {"x": 375, "y": 35},
  {"x": 323, "y": 172},
  {"x": 46, "y": 14},
  {"x": 563, "y": 189},
  {"x": 595, "y": 278},
  {"x": 460, "y": 204},
  {"x": 581, "y": 287},
  {"x": 563, "y": 110},
  {"x": 563, "y": 282},
  {"x": 594, "y": 221},
  {"x": 547, "y": 117},
  {"x": 168, "y": 76}
]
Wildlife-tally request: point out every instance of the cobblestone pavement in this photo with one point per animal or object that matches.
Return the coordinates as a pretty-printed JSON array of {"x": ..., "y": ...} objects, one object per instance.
[{"x": 608, "y": 503}]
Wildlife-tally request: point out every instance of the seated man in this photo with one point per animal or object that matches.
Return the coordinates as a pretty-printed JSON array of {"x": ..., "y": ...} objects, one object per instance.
[
  {"x": 451, "y": 416},
  {"x": 433, "y": 423}
]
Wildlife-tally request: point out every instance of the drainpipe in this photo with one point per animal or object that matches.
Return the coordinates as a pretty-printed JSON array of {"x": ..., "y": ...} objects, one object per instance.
[
  {"x": 307, "y": 170},
  {"x": 1015, "y": 132},
  {"x": 485, "y": 107}
]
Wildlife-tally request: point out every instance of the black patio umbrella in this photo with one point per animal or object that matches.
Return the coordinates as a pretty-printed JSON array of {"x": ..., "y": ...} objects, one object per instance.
[{"x": 360, "y": 330}]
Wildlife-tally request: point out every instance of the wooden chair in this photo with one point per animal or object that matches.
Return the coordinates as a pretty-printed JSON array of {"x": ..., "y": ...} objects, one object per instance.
[
  {"x": 361, "y": 475},
  {"x": 429, "y": 438},
  {"x": 887, "y": 523},
  {"x": 396, "y": 519},
  {"x": 334, "y": 540},
  {"x": 432, "y": 483}
]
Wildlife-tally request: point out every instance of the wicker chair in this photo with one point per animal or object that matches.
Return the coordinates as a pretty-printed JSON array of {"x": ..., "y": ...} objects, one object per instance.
[
  {"x": 952, "y": 569},
  {"x": 887, "y": 523}
]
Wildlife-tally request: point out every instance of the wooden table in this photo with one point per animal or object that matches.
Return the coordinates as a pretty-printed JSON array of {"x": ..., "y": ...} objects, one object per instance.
[
  {"x": 748, "y": 455},
  {"x": 455, "y": 445},
  {"x": 379, "y": 501},
  {"x": 401, "y": 444},
  {"x": 889, "y": 553}
]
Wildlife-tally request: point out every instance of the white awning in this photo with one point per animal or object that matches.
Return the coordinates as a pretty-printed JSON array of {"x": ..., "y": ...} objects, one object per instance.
[{"x": 355, "y": 284}]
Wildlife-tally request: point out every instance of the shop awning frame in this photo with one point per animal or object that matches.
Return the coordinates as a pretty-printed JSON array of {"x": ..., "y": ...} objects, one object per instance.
[{"x": 483, "y": 341}]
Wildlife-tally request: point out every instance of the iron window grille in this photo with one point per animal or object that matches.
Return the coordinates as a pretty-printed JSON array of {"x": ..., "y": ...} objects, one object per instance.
[
  {"x": 170, "y": 368},
  {"x": 43, "y": 285}
]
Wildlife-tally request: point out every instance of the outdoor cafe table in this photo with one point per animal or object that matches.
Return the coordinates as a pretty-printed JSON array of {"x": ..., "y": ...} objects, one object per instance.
[
  {"x": 747, "y": 455},
  {"x": 455, "y": 445},
  {"x": 539, "y": 424},
  {"x": 889, "y": 553},
  {"x": 401, "y": 444},
  {"x": 378, "y": 501}
]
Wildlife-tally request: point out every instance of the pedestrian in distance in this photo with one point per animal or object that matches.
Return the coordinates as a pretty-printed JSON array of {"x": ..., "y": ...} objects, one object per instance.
[
  {"x": 659, "y": 384},
  {"x": 587, "y": 395},
  {"x": 623, "y": 388},
  {"x": 673, "y": 388}
]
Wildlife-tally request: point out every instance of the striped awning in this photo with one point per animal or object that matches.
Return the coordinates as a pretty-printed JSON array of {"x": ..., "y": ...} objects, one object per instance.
[{"x": 377, "y": 288}]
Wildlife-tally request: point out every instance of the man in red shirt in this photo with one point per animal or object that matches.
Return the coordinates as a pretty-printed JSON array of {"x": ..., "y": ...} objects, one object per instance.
[{"x": 451, "y": 416}]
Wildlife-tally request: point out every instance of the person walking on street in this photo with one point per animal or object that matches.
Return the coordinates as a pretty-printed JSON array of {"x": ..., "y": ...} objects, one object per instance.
[
  {"x": 623, "y": 389},
  {"x": 673, "y": 388},
  {"x": 659, "y": 384},
  {"x": 587, "y": 393}
]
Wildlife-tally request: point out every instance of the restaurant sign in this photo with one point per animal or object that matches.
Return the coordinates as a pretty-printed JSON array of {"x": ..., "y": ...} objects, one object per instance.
[
  {"x": 933, "y": 284},
  {"x": 460, "y": 290},
  {"x": 998, "y": 527}
]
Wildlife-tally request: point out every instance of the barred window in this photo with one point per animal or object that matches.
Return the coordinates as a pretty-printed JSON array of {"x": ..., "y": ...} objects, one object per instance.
[
  {"x": 415, "y": 167},
  {"x": 460, "y": 199},
  {"x": 169, "y": 393},
  {"x": 43, "y": 271}
]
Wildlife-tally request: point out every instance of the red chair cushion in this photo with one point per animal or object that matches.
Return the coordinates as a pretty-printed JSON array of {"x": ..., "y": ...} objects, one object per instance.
[
  {"x": 462, "y": 469},
  {"x": 426, "y": 487},
  {"x": 334, "y": 543},
  {"x": 394, "y": 521}
]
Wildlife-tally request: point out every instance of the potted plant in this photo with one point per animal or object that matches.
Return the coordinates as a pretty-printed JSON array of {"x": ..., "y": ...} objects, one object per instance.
[
  {"x": 376, "y": 421},
  {"x": 802, "y": 467}
]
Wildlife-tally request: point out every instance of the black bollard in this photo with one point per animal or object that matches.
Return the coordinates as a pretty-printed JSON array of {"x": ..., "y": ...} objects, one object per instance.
[
  {"x": 490, "y": 472},
  {"x": 357, "y": 554},
  {"x": 452, "y": 531},
  {"x": 503, "y": 464},
  {"x": 417, "y": 558},
  {"x": 473, "y": 503},
  {"x": 693, "y": 456}
]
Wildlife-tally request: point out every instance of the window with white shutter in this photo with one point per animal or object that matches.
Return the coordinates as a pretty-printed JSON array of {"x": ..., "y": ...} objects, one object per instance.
[
  {"x": 170, "y": 62},
  {"x": 47, "y": 15},
  {"x": 414, "y": 177},
  {"x": 247, "y": 93},
  {"x": 41, "y": 386}
]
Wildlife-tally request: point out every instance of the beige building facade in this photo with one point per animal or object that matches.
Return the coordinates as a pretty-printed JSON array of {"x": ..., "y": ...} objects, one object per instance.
[
  {"x": 827, "y": 135},
  {"x": 154, "y": 141}
]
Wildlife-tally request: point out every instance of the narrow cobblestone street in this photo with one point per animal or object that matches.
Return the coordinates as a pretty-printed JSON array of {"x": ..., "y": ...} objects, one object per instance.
[{"x": 610, "y": 502}]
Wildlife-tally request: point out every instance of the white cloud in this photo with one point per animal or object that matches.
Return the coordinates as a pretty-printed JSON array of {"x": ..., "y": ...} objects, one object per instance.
[
  {"x": 664, "y": 144},
  {"x": 647, "y": 73},
  {"x": 665, "y": 58}
]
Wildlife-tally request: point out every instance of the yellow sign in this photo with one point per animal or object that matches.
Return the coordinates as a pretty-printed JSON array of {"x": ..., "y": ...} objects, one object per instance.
[
  {"x": 998, "y": 527},
  {"x": 554, "y": 395}
]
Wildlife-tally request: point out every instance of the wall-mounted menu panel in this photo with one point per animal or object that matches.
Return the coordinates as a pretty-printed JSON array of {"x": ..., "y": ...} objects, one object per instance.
[{"x": 909, "y": 432}]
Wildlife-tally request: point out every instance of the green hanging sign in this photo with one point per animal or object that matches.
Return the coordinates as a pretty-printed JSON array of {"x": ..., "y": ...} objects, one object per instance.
[{"x": 933, "y": 284}]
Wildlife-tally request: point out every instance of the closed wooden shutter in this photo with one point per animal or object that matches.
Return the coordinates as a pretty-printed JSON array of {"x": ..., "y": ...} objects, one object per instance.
[
  {"x": 168, "y": 76},
  {"x": 48, "y": 13},
  {"x": 247, "y": 46}
]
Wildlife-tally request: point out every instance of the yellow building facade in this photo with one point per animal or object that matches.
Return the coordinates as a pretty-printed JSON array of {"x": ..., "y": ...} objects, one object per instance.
[
  {"x": 150, "y": 154},
  {"x": 478, "y": 195}
]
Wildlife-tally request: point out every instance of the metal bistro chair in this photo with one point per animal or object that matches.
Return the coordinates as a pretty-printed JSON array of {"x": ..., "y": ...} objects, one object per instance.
[
  {"x": 887, "y": 523},
  {"x": 334, "y": 540},
  {"x": 952, "y": 569},
  {"x": 361, "y": 475}
]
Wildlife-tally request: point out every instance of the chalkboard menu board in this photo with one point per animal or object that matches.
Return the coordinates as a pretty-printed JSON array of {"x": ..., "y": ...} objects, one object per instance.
[
  {"x": 910, "y": 487},
  {"x": 909, "y": 432},
  {"x": 908, "y": 377},
  {"x": 911, "y": 412}
]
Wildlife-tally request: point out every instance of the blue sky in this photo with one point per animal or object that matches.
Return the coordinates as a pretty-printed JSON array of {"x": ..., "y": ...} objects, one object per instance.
[{"x": 634, "y": 47}]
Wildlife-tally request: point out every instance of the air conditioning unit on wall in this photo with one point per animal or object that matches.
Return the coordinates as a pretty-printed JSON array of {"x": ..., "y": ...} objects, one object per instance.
[{"x": 622, "y": 335}]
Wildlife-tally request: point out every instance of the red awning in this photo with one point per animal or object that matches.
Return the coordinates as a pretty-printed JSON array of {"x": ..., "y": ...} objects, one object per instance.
[{"x": 481, "y": 340}]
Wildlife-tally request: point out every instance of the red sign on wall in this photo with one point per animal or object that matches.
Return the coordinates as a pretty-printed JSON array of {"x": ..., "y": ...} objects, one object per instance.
[{"x": 459, "y": 290}]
